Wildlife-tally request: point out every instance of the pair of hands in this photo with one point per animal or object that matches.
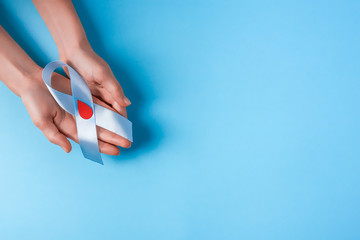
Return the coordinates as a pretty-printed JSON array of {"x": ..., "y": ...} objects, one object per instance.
[
  {"x": 24, "y": 77},
  {"x": 58, "y": 125}
]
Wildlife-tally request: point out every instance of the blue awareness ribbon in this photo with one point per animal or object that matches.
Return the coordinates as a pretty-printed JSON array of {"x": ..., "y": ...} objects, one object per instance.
[{"x": 93, "y": 115}]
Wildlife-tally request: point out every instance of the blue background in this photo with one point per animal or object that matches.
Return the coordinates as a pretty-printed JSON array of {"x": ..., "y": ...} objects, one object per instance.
[{"x": 246, "y": 121}]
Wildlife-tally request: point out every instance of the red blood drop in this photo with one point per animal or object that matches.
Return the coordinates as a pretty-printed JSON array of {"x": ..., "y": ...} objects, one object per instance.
[{"x": 84, "y": 110}]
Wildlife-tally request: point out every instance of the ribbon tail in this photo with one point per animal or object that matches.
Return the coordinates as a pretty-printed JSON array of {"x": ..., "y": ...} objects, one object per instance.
[{"x": 113, "y": 122}]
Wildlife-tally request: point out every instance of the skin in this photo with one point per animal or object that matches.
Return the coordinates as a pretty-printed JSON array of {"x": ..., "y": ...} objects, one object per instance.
[
  {"x": 23, "y": 77},
  {"x": 68, "y": 33}
]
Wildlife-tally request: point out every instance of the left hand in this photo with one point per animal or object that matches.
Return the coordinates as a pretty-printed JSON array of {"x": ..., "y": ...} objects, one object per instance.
[{"x": 99, "y": 77}]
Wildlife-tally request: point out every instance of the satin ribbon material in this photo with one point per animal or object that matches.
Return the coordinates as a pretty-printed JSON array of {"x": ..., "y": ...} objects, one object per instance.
[{"x": 86, "y": 123}]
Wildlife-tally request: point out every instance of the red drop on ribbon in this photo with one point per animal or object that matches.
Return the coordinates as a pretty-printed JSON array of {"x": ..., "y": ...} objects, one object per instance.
[{"x": 84, "y": 110}]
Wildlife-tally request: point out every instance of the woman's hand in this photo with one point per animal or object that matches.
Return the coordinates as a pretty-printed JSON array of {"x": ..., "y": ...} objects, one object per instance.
[
  {"x": 98, "y": 75},
  {"x": 58, "y": 125},
  {"x": 65, "y": 27}
]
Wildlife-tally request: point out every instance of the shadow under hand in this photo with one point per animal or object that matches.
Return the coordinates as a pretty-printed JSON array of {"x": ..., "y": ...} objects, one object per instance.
[{"x": 146, "y": 132}]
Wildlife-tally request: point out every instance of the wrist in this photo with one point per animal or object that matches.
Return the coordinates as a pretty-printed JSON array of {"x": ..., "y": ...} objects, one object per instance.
[
  {"x": 67, "y": 50},
  {"x": 17, "y": 75},
  {"x": 17, "y": 70},
  {"x": 29, "y": 80}
]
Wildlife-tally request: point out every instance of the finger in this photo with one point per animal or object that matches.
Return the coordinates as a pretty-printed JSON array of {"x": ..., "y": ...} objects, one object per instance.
[
  {"x": 121, "y": 109},
  {"x": 112, "y": 138},
  {"x": 108, "y": 148},
  {"x": 68, "y": 127},
  {"x": 102, "y": 103},
  {"x": 109, "y": 99},
  {"x": 114, "y": 105},
  {"x": 113, "y": 87},
  {"x": 53, "y": 134}
]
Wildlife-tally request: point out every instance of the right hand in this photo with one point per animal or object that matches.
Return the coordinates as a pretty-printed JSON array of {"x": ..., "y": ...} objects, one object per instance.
[{"x": 56, "y": 124}]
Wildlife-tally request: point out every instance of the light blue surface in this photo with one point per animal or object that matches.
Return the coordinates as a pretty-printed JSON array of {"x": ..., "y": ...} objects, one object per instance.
[{"x": 246, "y": 120}]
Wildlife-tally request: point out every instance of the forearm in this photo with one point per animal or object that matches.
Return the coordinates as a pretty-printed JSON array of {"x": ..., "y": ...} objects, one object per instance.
[
  {"x": 17, "y": 69},
  {"x": 63, "y": 23}
]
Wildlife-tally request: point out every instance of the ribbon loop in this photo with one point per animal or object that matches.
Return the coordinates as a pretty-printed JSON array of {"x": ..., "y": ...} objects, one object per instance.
[{"x": 87, "y": 114}]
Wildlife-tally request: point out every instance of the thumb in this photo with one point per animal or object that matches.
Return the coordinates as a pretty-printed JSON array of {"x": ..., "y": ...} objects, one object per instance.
[{"x": 53, "y": 134}]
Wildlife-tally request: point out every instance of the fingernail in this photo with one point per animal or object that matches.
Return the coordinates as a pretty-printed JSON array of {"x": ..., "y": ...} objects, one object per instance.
[
  {"x": 116, "y": 106},
  {"x": 127, "y": 101},
  {"x": 64, "y": 149}
]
